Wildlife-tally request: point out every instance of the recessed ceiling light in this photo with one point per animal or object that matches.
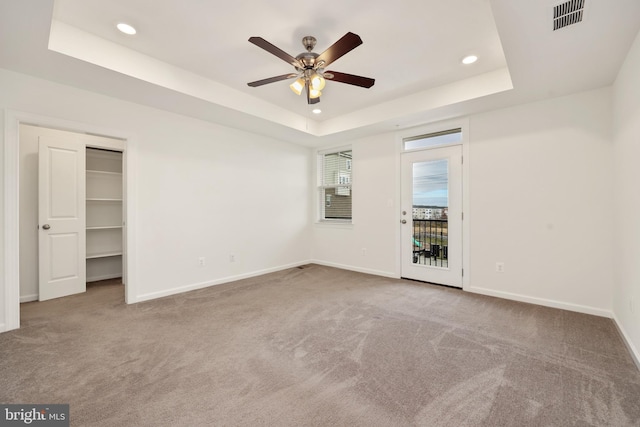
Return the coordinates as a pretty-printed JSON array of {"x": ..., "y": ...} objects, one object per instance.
[
  {"x": 126, "y": 28},
  {"x": 469, "y": 59},
  {"x": 316, "y": 111}
]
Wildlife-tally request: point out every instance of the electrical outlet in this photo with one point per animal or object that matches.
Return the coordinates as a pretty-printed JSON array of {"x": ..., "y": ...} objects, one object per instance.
[
  {"x": 364, "y": 251},
  {"x": 500, "y": 267},
  {"x": 232, "y": 258},
  {"x": 201, "y": 261}
]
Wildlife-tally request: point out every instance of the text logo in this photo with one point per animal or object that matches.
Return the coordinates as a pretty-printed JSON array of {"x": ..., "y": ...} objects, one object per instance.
[{"x": 34, "y": 415}]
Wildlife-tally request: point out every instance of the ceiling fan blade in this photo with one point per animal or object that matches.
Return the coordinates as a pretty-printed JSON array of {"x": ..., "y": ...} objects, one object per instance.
[
  {"x": 260, "y": 42},
  {"x": 272, "y": 80},
  {"x": 349, "y": 79},
  {"x": 347, "y": 43}
]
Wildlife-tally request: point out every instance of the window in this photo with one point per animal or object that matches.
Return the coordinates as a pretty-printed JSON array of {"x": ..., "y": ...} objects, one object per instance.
[
  {"x": 334, "y": 185},
  {"x": 433, "y": 139}
]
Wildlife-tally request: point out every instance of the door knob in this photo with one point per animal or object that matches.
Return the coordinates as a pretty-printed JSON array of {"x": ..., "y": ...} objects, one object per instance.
[
  {"x": 404, "y": 221},
  {"x": 46, "y": 227}
]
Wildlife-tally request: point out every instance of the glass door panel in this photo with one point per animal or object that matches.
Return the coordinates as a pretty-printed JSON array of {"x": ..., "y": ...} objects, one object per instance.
[{"x": 430, "y": 213}]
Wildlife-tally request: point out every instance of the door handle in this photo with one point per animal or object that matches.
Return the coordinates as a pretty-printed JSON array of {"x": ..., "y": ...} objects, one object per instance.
[
  {"x": 46, "y": 227},
  {"x": 404, "y": 221}
]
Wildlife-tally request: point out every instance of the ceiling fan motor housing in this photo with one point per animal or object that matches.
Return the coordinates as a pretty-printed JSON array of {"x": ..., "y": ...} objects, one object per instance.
[
  {"x": 308, "y": 59},
  {"x": 309, "y": 43}
]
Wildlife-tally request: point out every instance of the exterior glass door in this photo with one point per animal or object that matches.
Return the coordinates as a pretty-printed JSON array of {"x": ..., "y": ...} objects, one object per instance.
[{"x": 431, "y": 215}]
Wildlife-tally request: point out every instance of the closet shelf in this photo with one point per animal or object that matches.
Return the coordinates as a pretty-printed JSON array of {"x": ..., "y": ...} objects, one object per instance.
[
  {"x": 103, "y": 227},
  {"x": 97, "y": 172},
  {"x": 104, "y": 255},
  {"x": 97, "y": 199}
]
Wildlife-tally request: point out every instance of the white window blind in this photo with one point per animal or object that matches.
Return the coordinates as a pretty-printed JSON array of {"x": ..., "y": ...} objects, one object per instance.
[{"x": 334, "y": 188}]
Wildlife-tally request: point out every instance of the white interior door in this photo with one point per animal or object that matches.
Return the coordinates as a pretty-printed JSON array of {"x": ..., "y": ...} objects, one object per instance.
[
  {"x": 431, "y": 217},
  {"x": 61, "y": 215}
]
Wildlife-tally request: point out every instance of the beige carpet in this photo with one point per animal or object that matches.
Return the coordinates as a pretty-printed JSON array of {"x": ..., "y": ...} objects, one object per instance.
[{"x": 316, "y": 346}]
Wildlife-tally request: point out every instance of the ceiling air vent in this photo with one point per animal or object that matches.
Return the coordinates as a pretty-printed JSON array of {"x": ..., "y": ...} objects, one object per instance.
[{"x": 568, "y": 13}]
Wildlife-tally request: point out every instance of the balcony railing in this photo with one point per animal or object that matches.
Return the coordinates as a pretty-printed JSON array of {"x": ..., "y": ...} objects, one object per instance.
[{"x": 431, "y": 242}]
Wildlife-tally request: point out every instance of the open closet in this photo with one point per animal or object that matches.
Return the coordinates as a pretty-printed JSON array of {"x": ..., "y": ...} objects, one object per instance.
[
  {"x": 104, "y": 224},
  {"x": 71, "y": 211}
]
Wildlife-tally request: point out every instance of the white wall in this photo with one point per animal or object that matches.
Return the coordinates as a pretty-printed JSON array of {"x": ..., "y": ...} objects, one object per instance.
[
  {"x": 375, "y": 187},
  {"x": 213, "y": 192},
  {"x": 540, "y": 201},
  {"x": 626, "y": 108},
  {"x": 3, "y": 268},
  {"x": 28, "y": 213},
  {"x": 203, "y": 189}
]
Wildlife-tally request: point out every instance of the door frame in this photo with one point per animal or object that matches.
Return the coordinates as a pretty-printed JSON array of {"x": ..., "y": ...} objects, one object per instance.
[
  {"x": 462, "y": 123},
  {"x": 11, "y": 254}
]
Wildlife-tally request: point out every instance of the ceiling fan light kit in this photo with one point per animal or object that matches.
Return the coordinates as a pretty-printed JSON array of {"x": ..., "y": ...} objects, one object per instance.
[
  {"x": 297, "y": 86},
  {"x": 317, "y": 81},
  {"x": 310, "y": 72}
]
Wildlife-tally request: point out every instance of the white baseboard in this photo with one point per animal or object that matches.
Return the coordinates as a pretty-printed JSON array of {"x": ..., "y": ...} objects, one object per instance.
[
  {"x": 542, "y": 301},
  {"x": 201, "y": 285},
  {"x": 356, "y": 269},
  {"x": 635, "y": 354},
  {"x": 28, "y": 298}
]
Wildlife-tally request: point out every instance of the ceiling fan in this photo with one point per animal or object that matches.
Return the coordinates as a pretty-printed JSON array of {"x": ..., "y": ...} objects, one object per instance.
[{"x": 310, "y": 72}]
